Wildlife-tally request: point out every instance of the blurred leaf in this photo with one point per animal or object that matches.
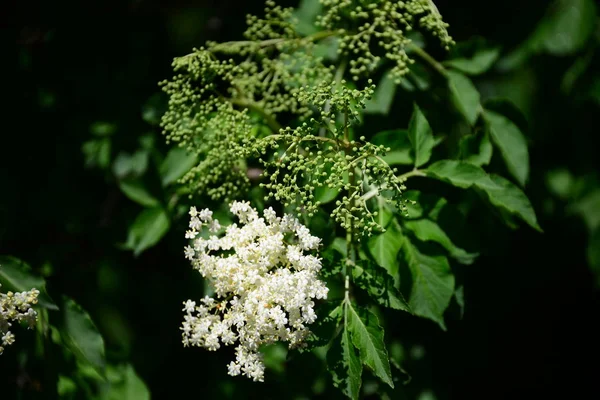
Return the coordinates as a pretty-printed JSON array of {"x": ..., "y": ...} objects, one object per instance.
[
  {"x": 560, "y": 182},
  {"x": 176, "y": 164},
  {"x": 124, "y": 383},
  {"x": 378, "y": 284},
  {"x": 135, "y": 190},
  {"x": 564, "y": 30},
  {"x": 274, "y": 356},
  {"x": 147, "y": 229},
  {"x": 325, "y": 194},
  {"x": 588, "y": 208},
  {"x": 476, "y": 149},
  {"x": 420, "y": 136},
  {"x": 479, "y": 63},
  {"x": 367, "y": 336},
  {"x": 432, "y": 283},
  {"x": 426, "y": 230},
  {"x": 397, "y": 140},
  {"x": 512, "y": 144},
  {"x": 18, "y": 276},
  {"x": 96, "y": 153},
  {"x": 81, "y": 336},
  {"x": 102, "y": 128},
  {"x": 382, "y": 99},
  {"x": 385, "y": 247},
  {"x": 130, "y": 166},
  {"x": 306, "y": 13},
  {"x": 464, "y": 95},
  {"x": 66, "y": 387},
  {"x": 459, "y": 296},
  {"x": 499, "y": 191},
  {"x": 344, "y": 364}
]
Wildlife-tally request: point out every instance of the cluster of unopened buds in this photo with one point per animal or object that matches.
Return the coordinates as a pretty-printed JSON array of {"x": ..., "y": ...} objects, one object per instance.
[
  {"x": 264, "y": 280},
  {"x": 16, "y": 307}
]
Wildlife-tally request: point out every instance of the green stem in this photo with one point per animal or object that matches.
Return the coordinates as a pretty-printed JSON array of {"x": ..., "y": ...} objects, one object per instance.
[
  {"x": 271, "y": 42},
  {"x": 429, "y": 59}
]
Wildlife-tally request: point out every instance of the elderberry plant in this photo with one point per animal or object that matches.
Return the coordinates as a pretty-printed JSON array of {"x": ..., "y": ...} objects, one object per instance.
[{"x": 293, "y": 106}]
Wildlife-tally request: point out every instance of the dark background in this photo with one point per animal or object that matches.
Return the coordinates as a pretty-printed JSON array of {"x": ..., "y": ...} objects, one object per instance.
[{"x": 530, "y": 326}]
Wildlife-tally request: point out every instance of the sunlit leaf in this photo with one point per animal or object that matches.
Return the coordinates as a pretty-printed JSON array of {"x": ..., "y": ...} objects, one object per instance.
[
  {"x": 383, "y": 96},
  {"x": 479, "y": 63},
  {"x": 177, "y": 162},
  {"x": 135, "y": 190},
  {"x": 367, "y": 336}
]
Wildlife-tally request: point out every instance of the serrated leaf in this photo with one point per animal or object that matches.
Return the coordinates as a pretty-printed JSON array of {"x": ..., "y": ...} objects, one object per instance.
[
  {"x": 385, "y": 247},
  {"x": 420, "y": 136},
  {"x": 80, "y": 335},
  {"x": 344, "y": 365},
  {"x": 378, "y": 284},
  {"x": 399, "y": 143},
  {"x": 382, "y": 99},
  {"x": 432, "y": 283},
  {"x": 464, "y": 95},
  {"x": 476, "y": 149},
  {"x": 512, "y": 144},
  {"x": 147, "y": 229},
  {"x": 18, "y": 276},
  {"x": 135, "y": 190},
  {"x": 499, "y": 191},
  {"x": 367, "y": 336},
  {"x": 427, "y": 230},
  {"x": 478, "y": 64},
  {"x": 177, "y": 162}
]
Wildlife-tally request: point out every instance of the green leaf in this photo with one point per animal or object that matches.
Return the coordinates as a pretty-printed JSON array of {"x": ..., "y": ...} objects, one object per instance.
[
  {"x": 420, "y": 136},
  {"x": 177, "y": 162},
  {"x": 459, "y": 296},
  {"x": 588, "y": 208},
  {"x": 81, "y": 336},
  {"x": 560, "y": 182},
  {"x": 512, "y": 144},
  {"x": 499, "y": 191},
  {"x": 383, "y": 96},
  {"x": 378, "y": 284},
  {"x": 367, "y": 336},
  {"x": 306, "y": 14},
  {"x": 130, "y": 166},
  {"x": 125, "y": 384},
  {"x": 18, "y": 276},
  {"x": 464, "y": 95},
  {"x": 478, "y": 64},
  {"x": 103, "y": 128},
  {"x": 426, "y": 230},
  {"x": 323, "y": 329},
  {"x": 432, "y": 283},
  {"x": 385, "y": 247},
  {"x": 344, "y": 364},
  {"x": 147, "y": 229},
  {"x": 135, "y": 190},
  {"x": 399, "y": 143},
  {"x": 325, "y": 195},
  {"x": 97, "y": 153},
  {"x": 476, "y": 149}
]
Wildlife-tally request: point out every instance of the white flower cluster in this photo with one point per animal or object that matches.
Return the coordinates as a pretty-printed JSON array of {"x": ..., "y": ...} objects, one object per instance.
[
  {"x": 263, "y": 280},
  {"x": 16, "y": 307}
]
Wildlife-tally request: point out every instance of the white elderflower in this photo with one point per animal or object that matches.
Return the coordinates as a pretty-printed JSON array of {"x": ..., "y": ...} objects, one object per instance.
[
  {"x": 16, "y": 307},
  {"x": 264, "y": 281}
]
